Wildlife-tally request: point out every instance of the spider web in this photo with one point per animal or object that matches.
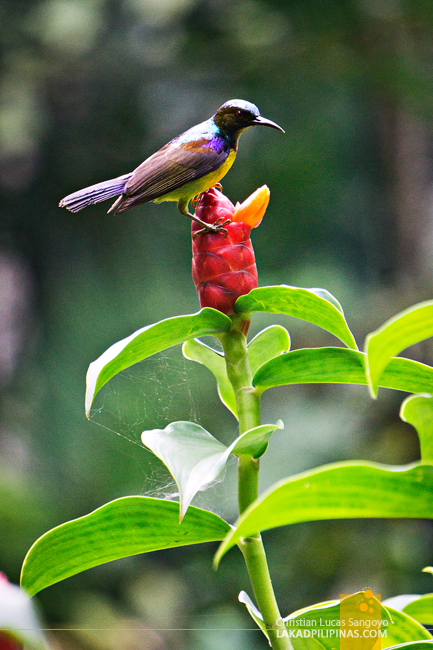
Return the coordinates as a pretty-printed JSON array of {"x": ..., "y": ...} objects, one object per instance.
[{"x": 150, "y": 395}]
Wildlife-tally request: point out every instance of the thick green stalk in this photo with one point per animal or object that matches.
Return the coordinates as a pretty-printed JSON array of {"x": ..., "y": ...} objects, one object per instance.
[{"x": 248, "y": 406}]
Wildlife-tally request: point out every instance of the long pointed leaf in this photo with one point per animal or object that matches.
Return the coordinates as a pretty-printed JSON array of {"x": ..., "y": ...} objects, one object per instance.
[
  {"x": 339, "y": 491},
  {"x": 330, "y": 619},
  {"x": 335, "y": 615},
  {"x": 404, "y": 629},
  {"x": 305, "y": 626},
  {"x": 316, "y": 306},
  {"x": 255, "y": 614},
  {"x": 255, "y": 441},
  {"x": 340, "y": 366},
  {"x": 267, "y": 344},
  {"x": 413, "y": 645},
  {"x": 297, "y": 643},
  {"x": 407, "y": 328},
  {"x": 418, "y": 411},
  {"x": 197, "y": 351},
  {"x": 421, "y": 609},
  {"x": 121, "y": 528},
  {"x": 150, "y": 340},
  {"x": 195, "y": 458}
]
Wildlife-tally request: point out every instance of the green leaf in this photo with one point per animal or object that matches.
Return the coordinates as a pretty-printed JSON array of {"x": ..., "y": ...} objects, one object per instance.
[
  {"x": 311, "y": 617},
  {"x": 414, "y": 645},
  {"x": 309, "y": 643},
  {"x": 255, "y": 614},
  {"x": 269, "y": 343},
  {"x": 320, "y": 620},
  {"x": 421, "y": 609},
  {"x": 339, "y": 366},
  {"x": 316, "y": 306},
  {"x": 417, "y": 410},
  {"x": 326, "y": 295},
  {"x": 329, "y": 615},
  {"x": 195, "y": 458},
  {"x": 150, "y": 340},
  {"x": 404, "y": 629},
  {"x": 407, "y": 328},
  {"x": 121, "y": 528},
  {"x": 255, "y": 441},
  {"x": 339, "y": 491},
  {"x": 196, "y": 350}
]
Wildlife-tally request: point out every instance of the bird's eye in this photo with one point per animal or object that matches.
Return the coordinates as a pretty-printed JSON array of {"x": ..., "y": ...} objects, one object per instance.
[{"x": 239, "y": 114}]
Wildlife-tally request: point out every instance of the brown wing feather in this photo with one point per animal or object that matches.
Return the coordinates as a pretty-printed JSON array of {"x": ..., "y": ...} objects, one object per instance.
[
  {"x": 164, "y": 186},
  {"x": 171, "y": 167}
]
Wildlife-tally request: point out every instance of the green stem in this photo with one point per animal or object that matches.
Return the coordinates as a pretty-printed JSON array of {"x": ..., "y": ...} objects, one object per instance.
[{"x": 248, "y": 406}]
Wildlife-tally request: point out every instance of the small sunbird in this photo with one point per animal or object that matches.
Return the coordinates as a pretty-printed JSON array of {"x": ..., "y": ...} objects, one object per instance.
[{"x": 188, "y": 165}]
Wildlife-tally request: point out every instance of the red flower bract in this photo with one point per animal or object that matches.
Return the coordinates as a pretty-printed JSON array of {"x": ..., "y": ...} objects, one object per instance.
[{"x": 223, "y": 267}]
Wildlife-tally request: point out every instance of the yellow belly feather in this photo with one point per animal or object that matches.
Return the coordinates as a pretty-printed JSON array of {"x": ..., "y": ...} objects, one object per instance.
[{"x": 194, "y": 188}]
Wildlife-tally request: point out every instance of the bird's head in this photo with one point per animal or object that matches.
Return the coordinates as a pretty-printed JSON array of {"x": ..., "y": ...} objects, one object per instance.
[{"x": 236, "y": 115}]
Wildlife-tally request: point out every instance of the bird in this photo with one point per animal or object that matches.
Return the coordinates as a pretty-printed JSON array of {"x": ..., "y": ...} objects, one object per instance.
[{"x": 184, "y": 168}]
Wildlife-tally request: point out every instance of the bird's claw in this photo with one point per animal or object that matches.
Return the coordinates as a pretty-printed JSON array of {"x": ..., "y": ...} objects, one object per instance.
[
  {"x": 195, "y": 199},
  {"x": 224, "y": 222},
  {"x": 215, "y": 227}
]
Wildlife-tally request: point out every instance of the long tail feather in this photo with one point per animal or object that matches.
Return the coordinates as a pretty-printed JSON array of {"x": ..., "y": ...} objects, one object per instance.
[{"x": 95, "y": 193}]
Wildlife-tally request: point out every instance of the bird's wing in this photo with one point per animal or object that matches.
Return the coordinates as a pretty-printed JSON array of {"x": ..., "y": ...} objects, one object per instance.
[{"x": 173, "y": 166}]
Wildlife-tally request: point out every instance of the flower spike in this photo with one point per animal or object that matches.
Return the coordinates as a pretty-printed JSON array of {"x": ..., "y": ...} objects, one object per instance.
[{"x": 224, "y": 267}]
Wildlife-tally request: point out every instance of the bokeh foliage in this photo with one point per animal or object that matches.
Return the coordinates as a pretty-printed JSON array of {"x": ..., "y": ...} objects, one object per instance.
[{"x": 88, "y": 90}]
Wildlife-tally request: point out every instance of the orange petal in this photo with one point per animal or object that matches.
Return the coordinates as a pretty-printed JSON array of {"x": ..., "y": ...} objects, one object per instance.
[{"x": 252, "y": 210}]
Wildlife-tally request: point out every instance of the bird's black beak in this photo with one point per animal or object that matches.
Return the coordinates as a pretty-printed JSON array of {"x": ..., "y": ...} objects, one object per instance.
[{"x": 262, "y": 121}]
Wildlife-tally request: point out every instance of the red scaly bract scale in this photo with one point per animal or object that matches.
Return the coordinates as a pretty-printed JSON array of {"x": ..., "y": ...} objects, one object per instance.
[{"x": 223, "y": 267}]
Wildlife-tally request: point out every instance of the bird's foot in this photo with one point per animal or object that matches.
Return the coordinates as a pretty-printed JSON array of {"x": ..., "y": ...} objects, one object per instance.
[
  {"x": 217, "y": 226},
  {"x": 219, "y": 223},
  {"x": 195, "y": 199}
]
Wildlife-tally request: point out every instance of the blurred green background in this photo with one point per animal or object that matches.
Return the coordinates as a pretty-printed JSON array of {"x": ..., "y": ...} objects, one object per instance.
[{"x": 88, "y": 89}]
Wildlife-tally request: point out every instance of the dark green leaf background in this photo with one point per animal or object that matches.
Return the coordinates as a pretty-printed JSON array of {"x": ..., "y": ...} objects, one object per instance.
[{"x": 88, "y": 90}]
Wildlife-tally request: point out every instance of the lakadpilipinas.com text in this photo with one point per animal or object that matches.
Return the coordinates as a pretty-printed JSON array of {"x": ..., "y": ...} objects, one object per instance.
[{"x": 322, "y": 629}]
